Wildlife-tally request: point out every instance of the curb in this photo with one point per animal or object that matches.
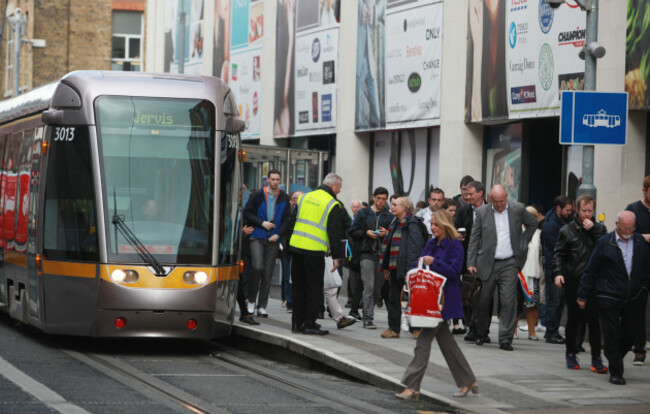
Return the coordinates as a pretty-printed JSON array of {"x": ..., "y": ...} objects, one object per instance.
[{"x": 346, "y": 366}]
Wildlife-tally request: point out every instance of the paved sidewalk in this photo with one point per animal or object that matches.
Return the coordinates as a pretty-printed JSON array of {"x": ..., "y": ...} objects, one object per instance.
[{"x": 531, "y": 378}]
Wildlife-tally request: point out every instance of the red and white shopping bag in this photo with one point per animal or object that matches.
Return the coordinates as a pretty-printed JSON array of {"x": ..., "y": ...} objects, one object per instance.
[{"x": 426, "y": 297}]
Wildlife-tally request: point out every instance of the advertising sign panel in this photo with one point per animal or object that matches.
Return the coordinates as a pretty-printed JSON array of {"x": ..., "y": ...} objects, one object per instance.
[
  {"x": 637, "y": 53},
  {"x": 413, "y": 63},
  {"x": 399, "y": 52},
  {"x": 183, "y": 37},
  {"x": 237, "y": 57},
  {"x": 542, "y": 55},
  {"x": 306, "y": 68}
]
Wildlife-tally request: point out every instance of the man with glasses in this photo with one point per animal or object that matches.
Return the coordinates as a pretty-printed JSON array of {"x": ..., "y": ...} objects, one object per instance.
[
  {"x": 436, "y": 200},
  {"x": 369, "y": 227},
  {"x": 619, "y": 274}
]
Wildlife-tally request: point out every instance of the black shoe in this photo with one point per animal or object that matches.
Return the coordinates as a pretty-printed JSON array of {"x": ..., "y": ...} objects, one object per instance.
[
  {"x": 369, "y": 325},
  {"x": 486, "y": 339},
  {"x": 639, "y": 359},
  {"x": 310, "y": 331},
  {"x": 480, "y": 341},
  {"x": 248, "y": 319},
  {"x": 297, "y": 329},
  {"x": 470, "y": 337},
  {"x": 616, "y": 380},
  {"x": 555, "y": 339},
  {"x": 355, "y": 315},
  {"x": 506, "y": 346},
  {"x": 380, "y": 302},
  {"x": 580, "y": 349},
  {"x": 459, "y": 331}
]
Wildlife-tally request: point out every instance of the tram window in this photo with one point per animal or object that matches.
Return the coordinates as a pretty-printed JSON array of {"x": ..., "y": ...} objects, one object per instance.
[
  {"x": 70, "y": 228},
  {"x": 10, "y": 189},
  {"x": 229, "y": 215},
  {"x": 157, "y": 158}
]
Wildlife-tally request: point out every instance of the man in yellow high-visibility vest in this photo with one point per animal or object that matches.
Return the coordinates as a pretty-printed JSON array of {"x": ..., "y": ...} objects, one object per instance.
[{"x": 317, "y": 229}]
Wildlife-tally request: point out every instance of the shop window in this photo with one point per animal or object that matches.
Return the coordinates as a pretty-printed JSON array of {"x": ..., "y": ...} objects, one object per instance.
[{"x": 126, "y": 51}]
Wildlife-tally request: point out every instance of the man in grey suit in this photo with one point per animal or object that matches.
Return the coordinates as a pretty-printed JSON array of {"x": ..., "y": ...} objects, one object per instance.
[{"x": 497, "y": 251}]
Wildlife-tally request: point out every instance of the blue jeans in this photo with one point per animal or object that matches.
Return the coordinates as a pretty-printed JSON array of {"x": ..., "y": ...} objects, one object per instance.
[{"x": 554, "y": 305}]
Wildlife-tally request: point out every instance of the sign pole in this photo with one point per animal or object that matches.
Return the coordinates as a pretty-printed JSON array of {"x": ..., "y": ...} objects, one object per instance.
[{"x": 587, "y": 187}]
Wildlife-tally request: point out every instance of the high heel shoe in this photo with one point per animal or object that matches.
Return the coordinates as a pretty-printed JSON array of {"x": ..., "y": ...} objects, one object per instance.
[
  {"x": 409, "y": 396},
  {"x": 462, "y": 393}
]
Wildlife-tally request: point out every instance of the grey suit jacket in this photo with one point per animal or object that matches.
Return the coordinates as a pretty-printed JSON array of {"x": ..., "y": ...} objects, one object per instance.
[{"x": 483, "y": 244}]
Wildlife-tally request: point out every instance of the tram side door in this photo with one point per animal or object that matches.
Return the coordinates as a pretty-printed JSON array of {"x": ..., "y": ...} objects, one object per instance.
[{"x": 33, "y": 255}]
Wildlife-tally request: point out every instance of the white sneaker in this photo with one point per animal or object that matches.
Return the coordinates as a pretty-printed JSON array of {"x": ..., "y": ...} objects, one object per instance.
[
  {"x": 251, "y": 308},
  {"x": 540, "y": 328},
  {"x": 262, "y": 313},
  {"x": 405, "y": 323},
  {"x": 523, "y": 328}
]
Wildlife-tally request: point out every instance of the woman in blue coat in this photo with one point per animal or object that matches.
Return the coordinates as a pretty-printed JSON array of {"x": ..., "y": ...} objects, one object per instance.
[{"x": 444, "y": 254}]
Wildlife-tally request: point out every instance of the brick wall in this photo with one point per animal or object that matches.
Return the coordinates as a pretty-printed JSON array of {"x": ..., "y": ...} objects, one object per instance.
[{"x": 78, "y": 36}]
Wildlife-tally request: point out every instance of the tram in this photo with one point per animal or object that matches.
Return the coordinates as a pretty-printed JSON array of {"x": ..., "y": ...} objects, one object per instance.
[{"x": 119, "y": 204}]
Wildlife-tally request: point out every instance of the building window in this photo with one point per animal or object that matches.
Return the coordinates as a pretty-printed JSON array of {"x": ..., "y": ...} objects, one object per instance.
[
  {"x": 126, "y": 53},
  {"x": 9, "y": 65}
]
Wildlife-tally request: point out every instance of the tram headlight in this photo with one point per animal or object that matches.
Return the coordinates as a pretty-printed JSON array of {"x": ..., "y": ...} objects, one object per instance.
[
  {"x": 192, "y": 277},
  {"x": 124, "y": 276}
]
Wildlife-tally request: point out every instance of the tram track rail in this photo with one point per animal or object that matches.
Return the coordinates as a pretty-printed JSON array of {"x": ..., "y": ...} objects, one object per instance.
[{"x": 221, "y": 356}]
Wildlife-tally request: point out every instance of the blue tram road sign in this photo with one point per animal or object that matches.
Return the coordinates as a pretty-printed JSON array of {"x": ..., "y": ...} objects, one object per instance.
[{"x": 590, "y": 118}]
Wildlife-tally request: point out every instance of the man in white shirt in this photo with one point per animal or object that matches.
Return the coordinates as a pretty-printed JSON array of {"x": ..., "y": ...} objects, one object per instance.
[
  {"x": 436, "y": 200},
  {"x": 497, "y": 251}
]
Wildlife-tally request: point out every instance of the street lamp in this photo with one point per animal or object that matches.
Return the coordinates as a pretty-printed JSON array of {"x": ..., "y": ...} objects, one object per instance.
[
  {"x": 590, "y": 52},
  {"x": 17, "y": 21}
]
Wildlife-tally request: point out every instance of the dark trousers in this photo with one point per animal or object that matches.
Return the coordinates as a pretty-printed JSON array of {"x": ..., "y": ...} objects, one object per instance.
[
  {"x": 242, "y": 286},
  {"x": 393, "y": 305},
  {"x": 640, "y": 340},
  {"x": 355, "y": 288},
  {"x": 285, "y": 259},
  {"x": 577, "y": 319},
  {"x": 620, "y": 323},
  {"x": 554, "y": 306},
  {"x": 307, "y": 276}
]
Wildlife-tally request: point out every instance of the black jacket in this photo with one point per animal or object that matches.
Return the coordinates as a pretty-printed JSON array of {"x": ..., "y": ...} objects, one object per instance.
[
  {"x": 573, "y": 249},
  {"x": 335, "y": 230},
  {"x": 414, "y": 237},
  {"x": 366, "y": 219},
  {"x": 465, "y": 219},
  {"x": 550, "y": 231},
  {"x": 606, "y": 274}
]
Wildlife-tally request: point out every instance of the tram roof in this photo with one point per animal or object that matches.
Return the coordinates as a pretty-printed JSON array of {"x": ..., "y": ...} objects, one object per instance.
[{"x": 94, "y": 83}]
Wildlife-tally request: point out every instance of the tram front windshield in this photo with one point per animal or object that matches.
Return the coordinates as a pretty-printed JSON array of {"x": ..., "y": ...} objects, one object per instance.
[{"x": 157, "y": 162}]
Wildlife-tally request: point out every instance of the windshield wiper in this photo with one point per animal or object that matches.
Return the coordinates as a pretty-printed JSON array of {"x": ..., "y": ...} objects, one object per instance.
[{"x": 141, "y": 249}]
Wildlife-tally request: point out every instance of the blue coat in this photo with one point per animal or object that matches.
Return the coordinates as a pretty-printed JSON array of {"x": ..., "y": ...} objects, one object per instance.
[
  {"x": 448, "y": 261},
  {"x": 255, "y": 214}
]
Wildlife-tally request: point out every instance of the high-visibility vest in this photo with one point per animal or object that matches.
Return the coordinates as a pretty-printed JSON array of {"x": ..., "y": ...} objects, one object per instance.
[{"x": 310, "y": 229}]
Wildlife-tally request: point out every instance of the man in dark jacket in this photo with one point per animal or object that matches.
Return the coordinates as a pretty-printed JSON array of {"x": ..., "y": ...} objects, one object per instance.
[
  {"x": 572, "y": 251},
  {"x": 619, "y": 274},
  {"x": 464, "y": 220},
  {"x": 265, "y": 210},
  {"x": 308, "y": 245},
  {"x": 641, "y": 210},
  {"x": 400, "y": 253},
  {"x": 555, "y": 219},
  {"x": 368, "y": 229}
]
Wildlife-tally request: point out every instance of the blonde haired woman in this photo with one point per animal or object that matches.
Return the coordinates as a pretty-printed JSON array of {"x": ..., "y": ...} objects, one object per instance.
[{"x": 444, "y": 254}]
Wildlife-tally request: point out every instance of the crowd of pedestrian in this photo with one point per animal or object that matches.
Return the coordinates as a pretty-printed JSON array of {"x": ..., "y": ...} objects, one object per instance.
[{"x": 499, "y": 257}]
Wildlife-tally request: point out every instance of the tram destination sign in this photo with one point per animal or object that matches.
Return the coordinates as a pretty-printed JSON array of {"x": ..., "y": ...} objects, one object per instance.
[{"x": 589, "y": 118}]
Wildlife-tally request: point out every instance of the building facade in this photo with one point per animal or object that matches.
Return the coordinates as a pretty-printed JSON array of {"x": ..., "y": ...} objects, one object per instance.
[{"x": 63, "y": 36}]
